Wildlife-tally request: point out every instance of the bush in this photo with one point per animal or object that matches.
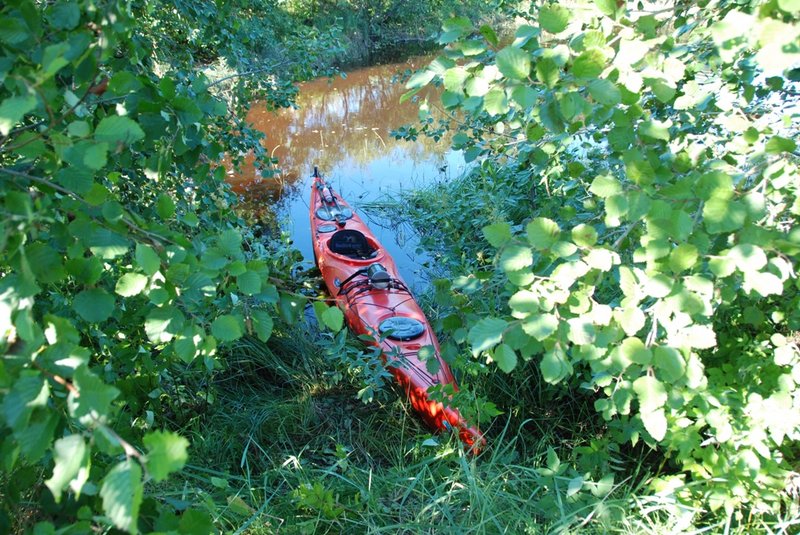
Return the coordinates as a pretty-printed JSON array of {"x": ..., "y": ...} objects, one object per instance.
[{"x": 655, "y": 265}]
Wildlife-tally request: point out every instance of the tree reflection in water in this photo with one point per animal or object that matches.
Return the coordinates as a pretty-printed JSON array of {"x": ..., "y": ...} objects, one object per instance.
[{"x": 343, "y": 127}]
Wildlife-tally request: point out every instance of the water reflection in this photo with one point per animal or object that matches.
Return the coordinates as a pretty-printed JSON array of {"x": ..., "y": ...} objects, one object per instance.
[{"x": 343, "y": 127}]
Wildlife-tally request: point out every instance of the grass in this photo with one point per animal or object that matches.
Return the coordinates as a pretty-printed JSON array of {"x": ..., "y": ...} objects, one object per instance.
[{"x": 286, "y": 449}]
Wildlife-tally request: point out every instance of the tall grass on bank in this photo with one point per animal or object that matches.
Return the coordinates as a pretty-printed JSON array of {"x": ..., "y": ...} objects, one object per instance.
[{"x": 284, "y": 449}]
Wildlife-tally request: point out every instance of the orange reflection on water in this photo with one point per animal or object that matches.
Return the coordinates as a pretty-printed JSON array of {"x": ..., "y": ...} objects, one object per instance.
[{"x": 339, "y": 124}]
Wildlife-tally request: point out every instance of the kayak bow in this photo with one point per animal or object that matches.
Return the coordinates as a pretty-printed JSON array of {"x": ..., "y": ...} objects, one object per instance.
[{"x": 366, "y": 284}]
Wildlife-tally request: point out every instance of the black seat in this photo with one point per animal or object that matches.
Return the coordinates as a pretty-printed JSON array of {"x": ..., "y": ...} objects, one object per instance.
[{"x": 353, "y": 244}]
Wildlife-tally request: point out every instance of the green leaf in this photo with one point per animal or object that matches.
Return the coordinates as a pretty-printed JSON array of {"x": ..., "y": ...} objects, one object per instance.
[
  {"x": 96, "y": 156},
  {"x": 658, "y": 285},
  {"x": 118, "y": 129},
  {"x": 29, "y": 391},
  {"x": 547, "y": 72},
  {"x": 651, "y": 393},
  {"x": 112, "y": 211},
  {"x": 775, "y": 145},
  {"x": 107, "y": 244},
  {"x": 605, "y": 92},
  {"x": 291, "y": 307},
  {"x": 13, "y": 109},
  {"x": 333, "y": 318},
  {"x": 554, "y": 18},
  {"x": 64, "y": 15},
  {"x": 555, "y": 366},
  {"x": 640, "y": 172},
  {"x": 581, "y": 331},
  {"x": 524, "y": 301},
  {"x": 584, "y": 235},
  {"x": 37, "y": 436},
  {"x": 497, "y": 234},
  {"x": 163, "y": 323},
  {"x": 461, "y": 24},
  {"x": 249, "y": 283},
  {"x": 147, "y": 259},
  {"x": 607, "y": 7},
  {"x": 683, "y": 257},
  {"x": 763, "y": 282},
  {"x": 13, "y": 31},
  {"x": 495, "y": 102},
  {"x": 121, "y": 492},
  {"x": 654, "y": 130},
  {"x": 486, "y": 334},
  {"x": 523, "y": 35},
  {"x": 91, "y": 397},
  {"x": 543, "y": 233},
  {"x": 454, "y": 79},
  {"x": 540, "y": 326},
  {"x": 69, "y": 455},
  {"x": 45, "y": 262},
  {"x": 131, "y": 284},
  {"x": 515, "y": 258},
  {"x": 605, "y": 186},
  {"x": 53, "y": 60},
  {"x": 669, "y": 361},
  {"x": 230, "y": 241},
  {"x": 589, "y": 64},
  {"x": 789, "y": 6},
  {"x": 489, "y": 34},
  {"x": 420, "y": 79},
  {"x": 427, "y": 354},
  {"x": 165, "y": 206},
  {"x": 94, "y": 305},
  {"x": 514, "y": 63},
  {"x": 655, "y": 423},
  {"x": 505, "y": 357},
  {"x": 663, "y": 90},
  {"x": 263, "y": 324},
  {"x": 227, "y": 328},
  {"x": 723, "y": 215},
  {"x": 634, "y": 350},
  {"x": 631, "y": 319},
  {"x": 714, "y": 185},
  {"x": 166, "y": 453},
  {"x": 553, "y": 463}
]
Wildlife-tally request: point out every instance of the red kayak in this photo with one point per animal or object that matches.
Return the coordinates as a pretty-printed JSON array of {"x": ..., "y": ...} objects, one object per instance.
[{"x": 365, "y": 282}]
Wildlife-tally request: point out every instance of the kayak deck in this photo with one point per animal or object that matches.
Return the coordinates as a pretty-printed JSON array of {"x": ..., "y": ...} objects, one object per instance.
[{"x": 365, "y": 283}]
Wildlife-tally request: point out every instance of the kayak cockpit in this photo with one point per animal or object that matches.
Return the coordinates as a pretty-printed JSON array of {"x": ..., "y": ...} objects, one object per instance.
[{"x": 353, "y": 244}]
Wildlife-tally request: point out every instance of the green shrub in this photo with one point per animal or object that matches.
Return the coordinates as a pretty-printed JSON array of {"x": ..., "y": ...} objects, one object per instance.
[{"x": 649, "y": 254}]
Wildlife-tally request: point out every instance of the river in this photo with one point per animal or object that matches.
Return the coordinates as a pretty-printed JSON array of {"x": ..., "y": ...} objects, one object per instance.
[{"x": 343, "y": 126}]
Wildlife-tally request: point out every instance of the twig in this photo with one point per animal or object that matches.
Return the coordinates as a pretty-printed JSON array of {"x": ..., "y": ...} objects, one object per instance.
[
  {"x": 57, "y": 378},
  {"x": 246, "y": 73},
  {"x": 624, "y": 235},
  {"x": 130, "y": 451},
  {"x": 155, "y": 238}
]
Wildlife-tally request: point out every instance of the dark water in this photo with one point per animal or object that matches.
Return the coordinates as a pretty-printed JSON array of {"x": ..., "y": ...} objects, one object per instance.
[{"x": 343, "y": 127}]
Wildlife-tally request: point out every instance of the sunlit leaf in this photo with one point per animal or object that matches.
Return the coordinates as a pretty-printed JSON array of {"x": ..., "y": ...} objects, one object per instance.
[
  {"x": 485, "y": 334},
  {"x": 167, "y": 452},
  {"x": 554, "y": 18},
  {"x": 121, "y": 492},
  {"x": 514, "y": 63},
  {"x": 505, "y": 357}
]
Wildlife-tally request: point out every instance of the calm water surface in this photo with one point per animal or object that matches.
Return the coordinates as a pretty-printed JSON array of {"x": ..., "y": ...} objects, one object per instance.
[{"x": 343, "y": 127}]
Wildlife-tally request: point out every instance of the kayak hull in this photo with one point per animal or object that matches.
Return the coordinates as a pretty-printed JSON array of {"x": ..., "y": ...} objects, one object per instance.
[{"x": 345, "y": 260}]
